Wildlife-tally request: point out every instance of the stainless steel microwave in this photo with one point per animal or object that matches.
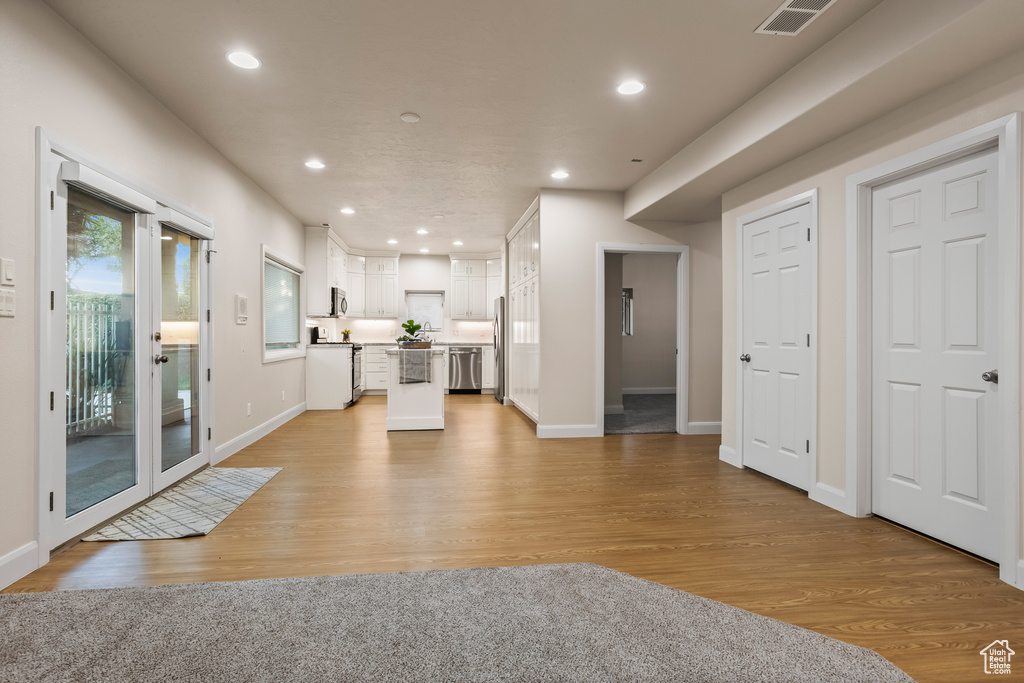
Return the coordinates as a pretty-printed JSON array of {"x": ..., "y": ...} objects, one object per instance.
[{"x": 339, "y": 304}]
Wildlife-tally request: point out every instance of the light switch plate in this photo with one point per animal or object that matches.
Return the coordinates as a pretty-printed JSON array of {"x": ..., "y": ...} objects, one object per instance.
[
  {"x": 6, "y": 302},
  {"x": 7, "y": 271}
]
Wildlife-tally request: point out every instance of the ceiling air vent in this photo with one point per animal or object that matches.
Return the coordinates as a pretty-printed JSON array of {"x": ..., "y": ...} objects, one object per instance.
[{"x": 793, "y": 16}]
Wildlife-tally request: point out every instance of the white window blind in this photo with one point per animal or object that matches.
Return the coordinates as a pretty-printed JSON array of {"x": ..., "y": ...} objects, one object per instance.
[
  {"x": 281, "y": 306},
  {"x": 424, "y": 308}
]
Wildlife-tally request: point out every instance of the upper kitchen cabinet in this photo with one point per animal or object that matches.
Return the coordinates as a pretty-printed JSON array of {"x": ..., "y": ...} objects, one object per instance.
[
  {"x": 474, "y": 267},
  {"x": 381, "y": 276},
  {"x": 325, "y": 268},
  {"x": 469, "y": 290},
  {"x": 524, "y": 252},
  {"x": 355, "y": 289}
]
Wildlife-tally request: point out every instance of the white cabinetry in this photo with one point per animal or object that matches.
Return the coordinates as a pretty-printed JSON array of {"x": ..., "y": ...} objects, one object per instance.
[
  {"x": 381, "y": 292},
  {"x": 487, "y": 368},
  {"x": 325, "y": 268},
  {"x": 523, "y": 331},
  {"x": 328, "y": 376},
  {"x": 469, "y": 290},
  {"x": 375, "y": 364}
]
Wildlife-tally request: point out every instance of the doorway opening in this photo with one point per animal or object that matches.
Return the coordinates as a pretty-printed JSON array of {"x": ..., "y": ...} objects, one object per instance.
[{"x": 643, "y": 338}]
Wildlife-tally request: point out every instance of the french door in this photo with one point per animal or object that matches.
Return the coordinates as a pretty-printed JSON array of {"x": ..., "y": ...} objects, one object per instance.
[{"x": 123, "y": 351}]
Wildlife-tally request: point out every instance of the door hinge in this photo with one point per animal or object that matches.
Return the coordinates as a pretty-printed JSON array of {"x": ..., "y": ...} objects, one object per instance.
[
  {"x": 207, "y": 315},
  {"x": 209, "y": 433},
  {"x": 51, "y": 400},
  {"x": 808, "y": 339},
  {"x": 51, "y": 501},
  {"x": 808, "y": 234},
  {"x": 51, "y": 299},
  {"x": 207, "y": 374},
  {"x": 51, "y": 209},
  {"x": 808, "y": 445}
]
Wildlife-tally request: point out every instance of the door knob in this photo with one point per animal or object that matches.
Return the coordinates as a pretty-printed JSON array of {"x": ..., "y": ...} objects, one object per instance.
[
  {"x": 745, "y": 358},
  {"x": 991, "y": 376},
  {"x": 161, "y": 359}
]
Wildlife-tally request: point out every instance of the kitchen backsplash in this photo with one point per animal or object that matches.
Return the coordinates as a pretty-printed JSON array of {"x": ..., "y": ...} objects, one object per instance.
[{"x": 368, "y": 330}]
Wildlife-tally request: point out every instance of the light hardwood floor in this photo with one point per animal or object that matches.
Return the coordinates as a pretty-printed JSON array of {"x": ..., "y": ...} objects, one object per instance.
[{"x": 353, "y": 498}]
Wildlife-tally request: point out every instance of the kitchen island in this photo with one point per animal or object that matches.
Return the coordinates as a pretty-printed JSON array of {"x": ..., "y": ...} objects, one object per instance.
[{"x": 415, "y": 388}]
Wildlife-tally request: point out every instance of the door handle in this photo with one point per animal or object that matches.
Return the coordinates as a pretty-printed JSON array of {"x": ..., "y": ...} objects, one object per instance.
[
  {"x": 161, "y": 359},
  {"x": 991, "y": 376},
  {"x": 745, "y": 358}
]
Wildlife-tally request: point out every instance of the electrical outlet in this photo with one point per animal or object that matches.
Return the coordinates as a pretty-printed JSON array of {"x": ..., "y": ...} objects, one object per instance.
[
  {"x": 391, "y": 332},
  {"x": 248, "y": 410}
]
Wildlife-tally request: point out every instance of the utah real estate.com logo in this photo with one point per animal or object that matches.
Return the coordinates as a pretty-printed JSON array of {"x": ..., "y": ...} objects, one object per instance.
[{"x": 997, "y": 657}]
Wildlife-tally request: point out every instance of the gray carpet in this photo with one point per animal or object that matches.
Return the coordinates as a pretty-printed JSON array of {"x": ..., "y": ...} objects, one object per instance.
[
  {"x": 567, "y": 622},
  {"x": 644, "y": 414}
]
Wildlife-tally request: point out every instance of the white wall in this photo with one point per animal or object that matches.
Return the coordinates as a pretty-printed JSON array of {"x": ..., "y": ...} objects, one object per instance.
[
  {"x": 649, "y": 354},
  {"x": 572, "y": 223},
  {"x": 52, "y": 77},
  {"x": 705, "y": 242},
  {"x": 985, "y": 95}
]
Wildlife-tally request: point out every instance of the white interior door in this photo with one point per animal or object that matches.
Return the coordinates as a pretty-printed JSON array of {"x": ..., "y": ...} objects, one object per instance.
[
  {"x": 934, "y": 418},
  {"x": 775, "y": 350}
]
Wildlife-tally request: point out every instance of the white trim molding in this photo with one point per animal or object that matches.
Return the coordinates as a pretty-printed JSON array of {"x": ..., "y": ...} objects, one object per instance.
[
  {"x": 627, "y": 391},
  {"x": 682, "y": 327},
  {"x": 728, "y": 456},
  {"x": 569, "y": 431},
  {"x": 704, "y": 428},
  {"x": 19, "y": 563},
  {"x": 828, "y": 495},
  {"x": 226, "y": 450},
  {"x": 809, "y": 198},
  {"x": 1004, "y": 135}
]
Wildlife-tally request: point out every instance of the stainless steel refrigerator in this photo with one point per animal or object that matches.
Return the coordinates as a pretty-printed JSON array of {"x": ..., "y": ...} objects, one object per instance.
[{"x": 499, "y": 349}]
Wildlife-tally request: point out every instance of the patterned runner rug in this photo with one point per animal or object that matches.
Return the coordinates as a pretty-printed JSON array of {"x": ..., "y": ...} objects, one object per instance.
[{"x": 192, "y": 508}]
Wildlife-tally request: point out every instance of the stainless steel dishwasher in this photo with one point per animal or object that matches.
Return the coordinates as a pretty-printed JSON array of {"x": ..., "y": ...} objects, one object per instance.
[{"x": 464, "y": 369}]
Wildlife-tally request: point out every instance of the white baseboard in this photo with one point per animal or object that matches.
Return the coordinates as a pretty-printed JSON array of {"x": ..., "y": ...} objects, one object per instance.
[
  {"x": 406, "y": 423},
  {"x": 568, "y": 431},
  {"x": 704, "y": 428},
  {"x": 830, "y": 496},
  {"x": 236, "y": 444},
  {"x": 614, "y": 410},
  {"x": 1019, "y": 583},
  {"x": 726, "y": 454},
  {"x": 649, "y": 390},
  {"x": 19, "y": 563}
]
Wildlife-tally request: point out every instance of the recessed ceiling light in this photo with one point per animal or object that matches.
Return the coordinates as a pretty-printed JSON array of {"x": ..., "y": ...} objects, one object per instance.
[
  {"x": 424, "y": 250},
  {"x": 410, "y": 117},
  {"x": 392, "y": 241},
  {"x": 315, "y": 163},
  {"x": 630, "y": 87},
  {"x": 559, "y": 175},
  {"x": 422, "y": 231},
  {"x": 438, "y": 215},
  {"x": 457, "y": 243},
  {"x": 165, "y": 237},
  {"x": 244, "y": 60},
  {"x": 348, "y": 211}
]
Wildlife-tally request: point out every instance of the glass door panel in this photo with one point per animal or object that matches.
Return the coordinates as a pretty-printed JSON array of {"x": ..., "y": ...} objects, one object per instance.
[
  {"x": 101, "y": 421},
  {"x": 180, "y": 418}
]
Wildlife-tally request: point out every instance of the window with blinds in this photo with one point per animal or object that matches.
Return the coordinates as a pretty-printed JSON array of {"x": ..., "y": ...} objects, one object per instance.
[{"x": 282, "y": 310}]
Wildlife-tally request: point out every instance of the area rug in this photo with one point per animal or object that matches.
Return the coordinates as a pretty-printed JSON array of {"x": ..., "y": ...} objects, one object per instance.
[
  {"x": 563, "y": 622},
  {"x": 192, "y": 508}
]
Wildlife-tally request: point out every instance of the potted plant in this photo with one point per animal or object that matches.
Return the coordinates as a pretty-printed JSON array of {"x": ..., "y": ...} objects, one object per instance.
[
  {"x": 410, "y": 339},
  {"x": 345, "y": 335}
]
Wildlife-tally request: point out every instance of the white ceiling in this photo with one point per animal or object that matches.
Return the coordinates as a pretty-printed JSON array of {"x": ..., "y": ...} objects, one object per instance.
[{"x": 508, "y": 92}]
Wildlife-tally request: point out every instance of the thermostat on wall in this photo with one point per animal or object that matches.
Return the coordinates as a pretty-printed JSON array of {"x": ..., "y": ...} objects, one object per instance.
[{"x": 241, "y": 309}]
